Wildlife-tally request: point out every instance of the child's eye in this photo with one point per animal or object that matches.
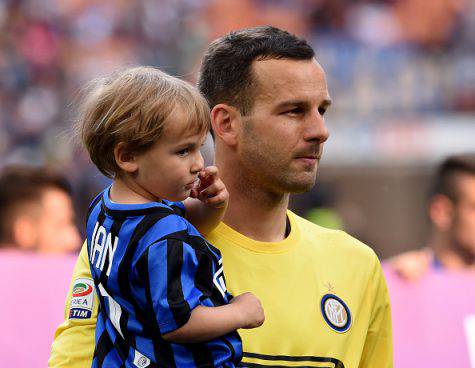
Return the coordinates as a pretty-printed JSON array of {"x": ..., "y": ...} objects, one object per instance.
[{"x": 183, "y": 152}]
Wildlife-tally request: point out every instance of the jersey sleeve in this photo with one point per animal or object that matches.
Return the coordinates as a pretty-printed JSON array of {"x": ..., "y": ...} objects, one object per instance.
[
  {"x": 378, "y": 347},
  {"x": 178, "y": 207},
  {"x": 173, "y": 269},
  {"x": 73, "y": 344}
]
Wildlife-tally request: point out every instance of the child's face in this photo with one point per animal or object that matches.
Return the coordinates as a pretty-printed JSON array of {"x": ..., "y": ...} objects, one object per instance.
[{"x": 169, "y": 169}]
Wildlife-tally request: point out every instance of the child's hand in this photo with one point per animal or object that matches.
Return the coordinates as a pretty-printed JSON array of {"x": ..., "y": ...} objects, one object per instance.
[
  {"x": 250, "y": 309},
  {"x": 211, "y": 189}
]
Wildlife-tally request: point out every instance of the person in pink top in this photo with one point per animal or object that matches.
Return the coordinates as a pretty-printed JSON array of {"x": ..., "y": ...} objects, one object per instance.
[
  {"x": 37, "y": 237},
  {"x": 451, "y": 210}
]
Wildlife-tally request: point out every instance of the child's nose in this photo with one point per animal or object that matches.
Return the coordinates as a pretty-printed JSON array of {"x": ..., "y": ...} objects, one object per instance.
[{"x": 198, "y": 164}]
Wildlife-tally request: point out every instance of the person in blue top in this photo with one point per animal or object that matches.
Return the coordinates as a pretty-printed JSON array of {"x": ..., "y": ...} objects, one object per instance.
[{"x": 162, "y": 291}]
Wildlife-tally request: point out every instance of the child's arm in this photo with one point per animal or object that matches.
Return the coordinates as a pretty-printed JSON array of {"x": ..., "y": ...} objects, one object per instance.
[
  {"x": 207, "y": 323},
  {"x": 207, "y": 203}
]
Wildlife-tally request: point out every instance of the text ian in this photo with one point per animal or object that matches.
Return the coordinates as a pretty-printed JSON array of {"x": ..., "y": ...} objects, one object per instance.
[{"x": 103, "y": 245}]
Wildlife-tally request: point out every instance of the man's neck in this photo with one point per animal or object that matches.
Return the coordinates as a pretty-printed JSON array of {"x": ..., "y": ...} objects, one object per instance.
[
  {"x": 452, "y": 257},
  {"x": 256, "y": 213},
  {"x": 256, "y": 222}
]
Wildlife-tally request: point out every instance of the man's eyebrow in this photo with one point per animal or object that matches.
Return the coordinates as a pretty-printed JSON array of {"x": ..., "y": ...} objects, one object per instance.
[
  {"x": 292, "y": 103},
  {"x": 326, "y": 102}
]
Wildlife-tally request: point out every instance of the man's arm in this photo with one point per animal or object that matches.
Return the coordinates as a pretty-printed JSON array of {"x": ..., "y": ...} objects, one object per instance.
[
  {"x": 378, "y": 347},
  {"x": 73, "y": 344}
]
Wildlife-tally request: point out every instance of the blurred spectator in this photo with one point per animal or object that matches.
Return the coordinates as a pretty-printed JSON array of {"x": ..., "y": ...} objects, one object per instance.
[
  {"x": 417, "y": 21},
  {"x": 36, "y": 211},
  {"x": 451, "y": 211}
]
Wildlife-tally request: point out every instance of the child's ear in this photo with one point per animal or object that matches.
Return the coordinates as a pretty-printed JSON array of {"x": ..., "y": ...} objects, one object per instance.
[{"x": 124, "y": 159}]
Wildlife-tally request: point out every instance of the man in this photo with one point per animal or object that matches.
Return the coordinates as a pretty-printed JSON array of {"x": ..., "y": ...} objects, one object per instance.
[
  {"x": 451, "y": 209},
  {"x": 437, "y": 280},
  {"x": 36, "y": 211},
  {"x": 323, "y": 292}
]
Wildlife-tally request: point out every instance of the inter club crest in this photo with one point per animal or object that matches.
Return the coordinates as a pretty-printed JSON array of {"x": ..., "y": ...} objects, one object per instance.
[{"x": 336, "y": 313}]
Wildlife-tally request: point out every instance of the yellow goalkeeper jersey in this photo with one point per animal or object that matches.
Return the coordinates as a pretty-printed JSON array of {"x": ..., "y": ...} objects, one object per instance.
[{"x": 323, "y": 293}]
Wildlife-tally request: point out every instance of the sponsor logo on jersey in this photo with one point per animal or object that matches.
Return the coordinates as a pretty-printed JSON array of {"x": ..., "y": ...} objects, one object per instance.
[
  {"x": 336, "y": 313},
  {"x": 82, "y": 299},
  {"x": 140, "y": 360},
  {"x": 81, "y": 289}
]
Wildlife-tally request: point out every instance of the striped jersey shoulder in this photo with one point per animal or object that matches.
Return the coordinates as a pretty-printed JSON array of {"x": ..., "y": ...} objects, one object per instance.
[
  {"x": 140, "y": 224},
  {"x": 103, "y": 203}
]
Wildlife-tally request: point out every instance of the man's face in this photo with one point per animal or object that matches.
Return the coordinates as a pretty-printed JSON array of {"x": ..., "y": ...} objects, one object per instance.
[
  {"x": 463, "y": 223},
  {"x": 282, "y": 137},
  {"x": 56, "y": 230}
]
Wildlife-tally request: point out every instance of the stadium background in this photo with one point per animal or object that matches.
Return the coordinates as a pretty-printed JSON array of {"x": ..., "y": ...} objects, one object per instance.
[{"x": 401, "y": 74}]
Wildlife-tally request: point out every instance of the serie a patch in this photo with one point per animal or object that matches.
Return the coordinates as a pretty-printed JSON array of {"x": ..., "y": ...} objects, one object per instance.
[
  {"x": 82, "y": 299},
  {"x": 336, "y": 313}
]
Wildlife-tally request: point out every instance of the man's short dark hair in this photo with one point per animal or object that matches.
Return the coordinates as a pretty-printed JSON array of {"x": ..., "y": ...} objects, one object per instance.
[
  {"x": 21, "y": 187},
  {"x": 225, "y": 73},
  {"x": 449, "y": 172}
]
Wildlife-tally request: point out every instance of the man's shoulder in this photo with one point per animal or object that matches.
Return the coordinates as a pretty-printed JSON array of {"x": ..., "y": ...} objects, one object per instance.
[
  {"x": 331, "y": 241},
  {"x": 411, "y": 265}
]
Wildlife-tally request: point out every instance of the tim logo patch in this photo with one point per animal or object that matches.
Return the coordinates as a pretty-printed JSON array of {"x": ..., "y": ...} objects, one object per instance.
[
  {"x": 336, "y": 313},
  {"x": 82, "y": 299}
]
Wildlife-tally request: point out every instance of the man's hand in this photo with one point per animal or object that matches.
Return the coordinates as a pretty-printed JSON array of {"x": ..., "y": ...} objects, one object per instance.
[
  {"x": 250, "y": 310},
  {"x": 210, "y": 189}
]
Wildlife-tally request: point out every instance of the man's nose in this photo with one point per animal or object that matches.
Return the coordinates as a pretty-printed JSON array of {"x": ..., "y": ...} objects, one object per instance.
[{"x": 315, "y": 128}]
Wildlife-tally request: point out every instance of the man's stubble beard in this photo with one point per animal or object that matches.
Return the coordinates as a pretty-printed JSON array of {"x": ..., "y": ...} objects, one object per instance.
[{"x": 262, "y": 157}]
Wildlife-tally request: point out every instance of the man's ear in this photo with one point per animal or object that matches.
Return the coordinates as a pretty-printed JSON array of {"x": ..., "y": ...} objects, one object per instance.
[
  {"x": 226, "y": 122},
  {"x": 441, "y": 212},
  {"x": 124, "y": 159},
  {"x": 25, "y": 233}
]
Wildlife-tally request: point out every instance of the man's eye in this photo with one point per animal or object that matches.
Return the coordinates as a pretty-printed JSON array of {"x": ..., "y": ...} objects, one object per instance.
[
  {"x": 322, "y": 110},
  {"x": 295, "y": 111}
]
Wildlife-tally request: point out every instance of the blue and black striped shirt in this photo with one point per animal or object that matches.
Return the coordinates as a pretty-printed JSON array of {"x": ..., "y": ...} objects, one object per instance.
[{"x": 151, "y": 267}]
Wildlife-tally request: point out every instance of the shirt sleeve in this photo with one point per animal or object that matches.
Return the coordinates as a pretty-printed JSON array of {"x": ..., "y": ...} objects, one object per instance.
[
  {"x": 174, "y": 270},
  {"x": 378, "y": 347},
  {"x": 73, "y": 344},
  {"x": 178, "y": 207}
]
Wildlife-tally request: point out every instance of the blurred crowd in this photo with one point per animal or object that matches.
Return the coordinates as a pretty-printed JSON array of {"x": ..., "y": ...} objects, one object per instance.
[{"x": 49, "y": 49}]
